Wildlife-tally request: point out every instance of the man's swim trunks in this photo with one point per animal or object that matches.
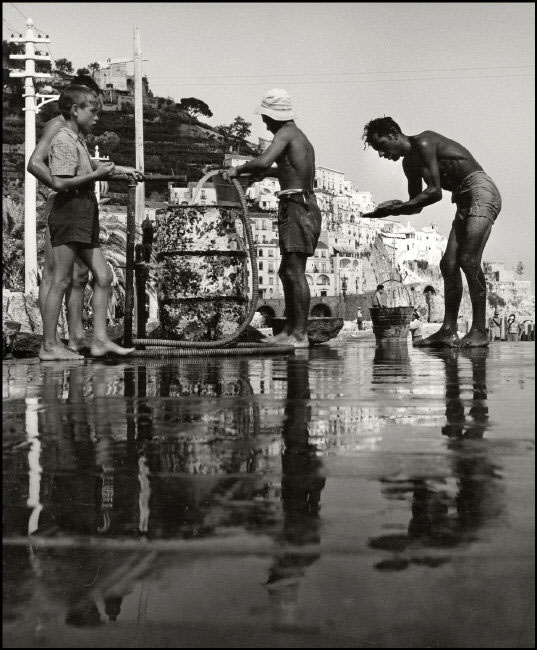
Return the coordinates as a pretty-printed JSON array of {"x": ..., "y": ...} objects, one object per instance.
[
  {"x": 477, "y": 196},
  {"x": 299, "y": 222}
]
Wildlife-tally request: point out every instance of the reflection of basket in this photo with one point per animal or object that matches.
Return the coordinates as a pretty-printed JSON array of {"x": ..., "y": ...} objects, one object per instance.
[
  {"x": 226, "y": 194},
  {"x": 391, "y": 323}
]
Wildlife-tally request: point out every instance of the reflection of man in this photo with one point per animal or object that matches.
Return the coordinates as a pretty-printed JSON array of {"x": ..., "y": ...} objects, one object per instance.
[
  {"x": 302, "y": 484},
  {"x": 496, "y": 327},
  {"x": 445, "y": 165},
  {"x": 299, "y": 217},
  {"x": 442, "y": 520}
]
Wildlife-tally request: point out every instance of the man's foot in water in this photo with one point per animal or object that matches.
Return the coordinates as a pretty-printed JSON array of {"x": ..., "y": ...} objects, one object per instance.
[
  {"x": 58, "y": 352},
  {"x": 102, "y": 348},
  {"x": 444, "y": 338},
  {"x": 77, "y": 344},
  {"x": 474, "y": 339}
]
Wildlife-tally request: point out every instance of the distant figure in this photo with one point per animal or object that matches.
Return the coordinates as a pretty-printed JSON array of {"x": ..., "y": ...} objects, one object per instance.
[
  {"x": 379, "y": 299},
  {"x": 415, "y": 328},
  {"x": 360, "y": 319},
  {"x": 445, "y": 165},
  {"x": 512, "y": 328},
  {"x": 299, "y": 217},
  {"x": 496, "y": 327}
]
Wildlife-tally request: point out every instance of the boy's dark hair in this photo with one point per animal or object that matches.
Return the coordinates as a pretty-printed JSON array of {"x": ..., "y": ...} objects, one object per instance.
[
  {"x": 381, "y": 126},
  {"x": 79, "y": 95},
  {"x": 85, "y": 80},
  {"x": 380, "y": 286}
]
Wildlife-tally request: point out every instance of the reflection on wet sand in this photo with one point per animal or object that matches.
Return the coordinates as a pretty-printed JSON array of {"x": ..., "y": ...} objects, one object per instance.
[
  {"x": 301, "y": 485},
  {"x": 443, "y": 518}
]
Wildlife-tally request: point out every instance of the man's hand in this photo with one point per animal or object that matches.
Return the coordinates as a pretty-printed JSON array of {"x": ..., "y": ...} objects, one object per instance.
[
  {"x": 385, "y": 209},
  {"x": 104, "y": 170},
  {"x": 229, "y": 173},
  {"x": 135, "y": 174}
]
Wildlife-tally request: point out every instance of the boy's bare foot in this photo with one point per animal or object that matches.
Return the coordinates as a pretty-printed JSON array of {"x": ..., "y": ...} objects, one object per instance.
[
  {"x": 58, "y": 353},
  {"x": 474, "y": 339},
  {"x": 444, "y": 338},
  {"x": 101, "y": 348}
]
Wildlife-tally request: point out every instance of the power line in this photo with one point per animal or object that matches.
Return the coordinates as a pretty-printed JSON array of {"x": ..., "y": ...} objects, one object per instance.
[
  {"x": 11, "y": 29},
  {"x": 333, "y": 74},
  {"x": 340, "y": 81},
  {"x": 17, "y": 9}
]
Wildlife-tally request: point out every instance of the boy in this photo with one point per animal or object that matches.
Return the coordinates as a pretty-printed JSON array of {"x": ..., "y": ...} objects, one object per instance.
[
  {"x": 38, "y": 167},
  {"x": 74, "y": 223}
]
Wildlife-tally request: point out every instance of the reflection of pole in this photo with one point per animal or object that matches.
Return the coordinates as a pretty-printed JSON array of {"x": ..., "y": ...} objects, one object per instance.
[
  {"x": 30, "y": 182},
  {"x": 34, "y": 465},
  {"x": 129, "y": 265}
]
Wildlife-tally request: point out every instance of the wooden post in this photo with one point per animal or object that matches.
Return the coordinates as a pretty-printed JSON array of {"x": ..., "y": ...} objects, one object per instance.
[
  {"x": 139, "y": 125},
  {"x": 129, "y": 265}
]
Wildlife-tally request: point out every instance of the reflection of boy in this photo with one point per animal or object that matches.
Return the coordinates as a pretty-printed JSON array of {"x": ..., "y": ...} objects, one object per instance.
[
  {"x": 415, "y": 328},
  {"x": 74, "y": 223}
]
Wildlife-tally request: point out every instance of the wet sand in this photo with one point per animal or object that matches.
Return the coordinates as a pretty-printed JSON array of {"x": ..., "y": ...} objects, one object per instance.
[{"x": 344, "y": 496}]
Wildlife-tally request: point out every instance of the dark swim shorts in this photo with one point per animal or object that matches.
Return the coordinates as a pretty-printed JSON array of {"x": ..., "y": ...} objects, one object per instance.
[
  {"x": 477, "y": 196},
  {"x": 299, "y": 222},
  {"x": 74, "y": 219}
]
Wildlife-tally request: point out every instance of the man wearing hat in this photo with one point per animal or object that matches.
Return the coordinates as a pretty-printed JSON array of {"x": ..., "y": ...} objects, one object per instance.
[{"x": 299, "y": 217}]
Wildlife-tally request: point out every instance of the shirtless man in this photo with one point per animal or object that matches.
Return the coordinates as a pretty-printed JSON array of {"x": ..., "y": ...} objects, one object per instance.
[
  {"x": 299, "y": 217},
  {"x": 445, "y": 165}
]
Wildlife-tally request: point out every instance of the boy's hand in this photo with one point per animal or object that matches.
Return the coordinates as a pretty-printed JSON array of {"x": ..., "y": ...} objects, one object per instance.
[
  {"x": 135, "y": 174},
  {"x": 105, "y": 170}
]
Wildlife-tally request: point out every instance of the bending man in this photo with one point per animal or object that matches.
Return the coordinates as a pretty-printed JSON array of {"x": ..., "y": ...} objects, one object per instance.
[
  {"x": 299, "y": 217},
  {"x": 445, "y": 165}
]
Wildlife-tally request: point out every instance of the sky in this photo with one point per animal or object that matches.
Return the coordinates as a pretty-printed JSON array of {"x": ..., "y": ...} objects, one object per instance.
[{"x": 465, "y": 70}]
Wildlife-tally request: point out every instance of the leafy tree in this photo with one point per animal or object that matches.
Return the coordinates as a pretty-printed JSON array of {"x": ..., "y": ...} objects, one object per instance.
[
  {"x": 520, "y": 268},
  {"x": 240, "y": 128},
  {"x": 495, "y": 300},
  {"x": 107, "y": 142},
  {"x": 63, "y": 67},
  {"x": 94, "y": 66},
  {"x": 195, "y": 107},
  {"x": 82, "y": 71}
]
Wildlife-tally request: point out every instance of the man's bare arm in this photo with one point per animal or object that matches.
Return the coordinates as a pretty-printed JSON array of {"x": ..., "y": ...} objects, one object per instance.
[
  {"x": 430, "y": 173},
  {"x": 263, "y": 162}
]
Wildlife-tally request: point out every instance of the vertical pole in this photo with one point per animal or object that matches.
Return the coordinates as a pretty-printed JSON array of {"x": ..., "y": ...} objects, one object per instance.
[
  {"x": 139, "y": 125},
  {"x": 129, "y": 264},
  {"x": 30, "y": 182}
]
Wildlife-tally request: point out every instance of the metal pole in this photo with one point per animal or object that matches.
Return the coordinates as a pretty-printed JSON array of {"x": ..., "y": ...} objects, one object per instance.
[
  {"x": 129, "y": 265},
  {"x": 139, "y": 125}
]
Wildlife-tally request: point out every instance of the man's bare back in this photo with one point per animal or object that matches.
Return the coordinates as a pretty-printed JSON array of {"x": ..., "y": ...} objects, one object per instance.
[
  {"x": 454, "y": 161},
  {"x": 296, "y": 165}
]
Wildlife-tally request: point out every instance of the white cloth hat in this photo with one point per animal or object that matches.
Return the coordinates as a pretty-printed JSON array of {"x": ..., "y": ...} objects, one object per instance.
[{"x": 276, "y": 104}]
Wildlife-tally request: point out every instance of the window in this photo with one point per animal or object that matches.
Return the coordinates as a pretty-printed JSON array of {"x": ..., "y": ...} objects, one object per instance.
[
  {"x": 260, "y": 252},
  {"x": 261, "y": 279},
  {"x": 271, "y": 280},
  {"x": 260, "y": 266},
  {"x": 270, "y": 252}
]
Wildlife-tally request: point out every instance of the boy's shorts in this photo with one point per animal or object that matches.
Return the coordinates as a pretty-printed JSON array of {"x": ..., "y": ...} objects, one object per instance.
[
  {"x": 74, "y": 219},
  {"x": 477, "y": 196},
  {"x": 299, "y": 222}
]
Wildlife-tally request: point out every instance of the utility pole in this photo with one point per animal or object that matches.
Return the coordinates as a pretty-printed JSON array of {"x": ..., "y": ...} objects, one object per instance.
[
  {"x": 30, "y": 182},
  {"x": 139, "y": 126}
]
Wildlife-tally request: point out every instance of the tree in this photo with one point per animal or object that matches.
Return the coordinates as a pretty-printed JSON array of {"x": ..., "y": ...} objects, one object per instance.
[
  {"x": 82, "y": 71},
  {"x": 94, "y": 66},
  {"x": 195, "y": 107},
  {"x": 63, "y": 67},
  {"x": 240, "y": 128},
  {"x": 13, "y": 87},
  {"x": 520, "y": 268}
]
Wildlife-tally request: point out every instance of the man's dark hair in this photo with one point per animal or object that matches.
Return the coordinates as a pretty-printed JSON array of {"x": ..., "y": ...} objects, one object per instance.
[
  {"x": 85, "y": 80},
  {"x": 79, "y": 95},
  {"x": 381, "y": 126},
  {"x": 380, "y": 286}
]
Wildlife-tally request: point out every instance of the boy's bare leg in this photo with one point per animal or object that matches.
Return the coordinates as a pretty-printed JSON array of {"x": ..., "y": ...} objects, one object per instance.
[
  {"x": 471, "y": 251},
  {"x": 52, "y": 349},
  {"x": 297, "y": 302},
  {"x": 447, "y": 335},
  {"x": 74, "y": 298},
  {"x": 101, "y": 343}
]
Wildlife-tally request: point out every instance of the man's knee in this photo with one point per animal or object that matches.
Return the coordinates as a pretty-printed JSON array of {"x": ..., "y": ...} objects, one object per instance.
[
  {"x": 103, "y": 278},
  {"x": 448, "y": 265}
]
